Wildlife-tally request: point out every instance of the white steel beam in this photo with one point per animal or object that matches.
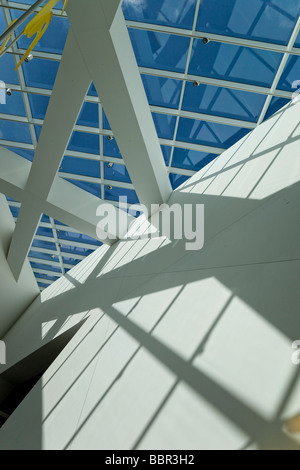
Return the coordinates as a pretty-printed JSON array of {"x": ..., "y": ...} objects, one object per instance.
[
  {"x": 68, "y": 93},
  {"x": 115, "y": 74},
  {"x": 66, "y": 202}
]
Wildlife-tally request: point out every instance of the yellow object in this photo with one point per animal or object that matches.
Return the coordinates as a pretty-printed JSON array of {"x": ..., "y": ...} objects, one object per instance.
[
  {"x": 6, "y": 41},
  {"x": 38, "y": 25},
  {"x": 65, "y": 4}
]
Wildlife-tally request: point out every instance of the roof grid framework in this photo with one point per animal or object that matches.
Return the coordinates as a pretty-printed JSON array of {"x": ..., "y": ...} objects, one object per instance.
[{"x": 202, "y": 97}]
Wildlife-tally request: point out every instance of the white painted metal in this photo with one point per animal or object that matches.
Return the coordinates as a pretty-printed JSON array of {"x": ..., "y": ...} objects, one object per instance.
[{"x": 114, "y": 72}]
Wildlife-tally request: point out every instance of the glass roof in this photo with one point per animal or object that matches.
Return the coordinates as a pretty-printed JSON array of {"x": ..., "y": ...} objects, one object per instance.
[{"x": 212, "y": 70}]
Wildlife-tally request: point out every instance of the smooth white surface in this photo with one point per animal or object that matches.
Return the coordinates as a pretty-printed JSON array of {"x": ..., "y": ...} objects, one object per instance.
[
  {"x": 180, "y": 349},
  {"x": 14, "y": 296}
]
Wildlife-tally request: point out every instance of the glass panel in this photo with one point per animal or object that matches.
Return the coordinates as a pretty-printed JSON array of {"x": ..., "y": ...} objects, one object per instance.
[
  {"x": 165, "y": 125},
  {"x": 78, "y": 237},
  {"x": 44, "y": 232},
  {"x": 224, "y": 102},
  {"x": 38, "y": 105},
  {"x": 92, "y": 188},
  {"x": 113, "y": 171},
  {"x": 175, "y": 13},
  {"x": 42, "y": 285},
  {"x": 89, "y": 115},
  {"x": 270, "y": 21},
  {"x": 47, "y": 267},
  {"x": 84, "y": 142},
  {"x": 46, "y": 276},
  {"x": 115, "y": 193},
  {"x": 111, "y": 148},
  {"x": 15, "y": 131},
  {"x": 7, "y": 63},
  {"x": 14, "y": 104},
  {"x": 81, "y": 166},
  {"x": 160, "y": 50},
  {"x": 53, "y": 41},
  {"x": 70, "y": 261},
  {"x": 191, "y": 159},
  {"x": 40, "y": 73},
  {"x": 276, "y": 104},
  {"x": 166, "y": 153},
  {"x": 40, "y": 256},
  {"x": 162, "y": 91},
  {"x": 44, "y": 244},
  {"x": 209, "y": 133},
  {"x": 75, "y": 250},
  {"x": 92, "y": 90},
  {"x": 290, "y": 78},
  {"x": 105, "y": 123},
  {"x": 177, "y": 180},
  {"x": 14, "y": 211},
  {"x": 234, "y": 63},
  {"x": 45, "y": 219}
]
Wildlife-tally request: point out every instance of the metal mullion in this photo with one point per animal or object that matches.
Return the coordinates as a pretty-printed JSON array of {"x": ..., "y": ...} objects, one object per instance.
[
  {"x": 184, "y": 32},
  {"x": 23, "y": 7},
  {"x": 190, "y": 50},
  {"x": 46, "y": 262},
  {"x": 19, "y": 145},
  {"x": 233, "y": 40},
  {"x": 45, "y": 92},
  {"x": 181, "y": 171},
  {"x": 51, "y": 252},
  {"x": 154, "y": 109},
  {"x": 94, "y": 180},
  {"x": 280, "y": 71},
  {"x": 58, "y": 227},
  {"x": 57, "y": 243},
  {"x": 8, "y": 19},
  {"x": 38, "y": 54},
  {"x": 191, "y": 146},
  {"x": 203, "y": 117},
  {"x": 46, "y": 272},
  {"x": 214, "y": 82},
  {"x": 175, "y": 76},
  {"x": 77, "y": 244},
  {"x": 44, "y": 281}
]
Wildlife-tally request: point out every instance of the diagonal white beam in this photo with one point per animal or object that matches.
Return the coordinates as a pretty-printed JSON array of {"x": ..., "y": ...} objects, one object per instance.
[
  {"x": 77, "y": 208},
  {"x": 14, "y": 172},
  {"x": 71, "y": 85},
  {"x": 66, "y": 202},
  {"x": 280, "y": 70},
  {"x": 104, "y": 43},
  {"x": 68, "y": 94}
]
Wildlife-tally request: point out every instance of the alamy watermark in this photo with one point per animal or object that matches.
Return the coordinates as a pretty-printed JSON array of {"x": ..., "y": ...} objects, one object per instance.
[
  {"x": 175, "y": 222},
  {"x": 2, "y": 353},
  {"x": 296, "y": 354}
]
